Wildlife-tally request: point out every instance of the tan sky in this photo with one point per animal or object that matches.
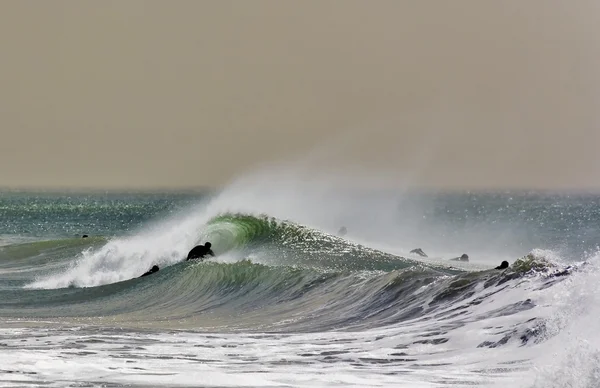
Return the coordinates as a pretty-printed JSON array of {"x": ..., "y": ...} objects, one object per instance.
[{"x": 463, "y": 93}]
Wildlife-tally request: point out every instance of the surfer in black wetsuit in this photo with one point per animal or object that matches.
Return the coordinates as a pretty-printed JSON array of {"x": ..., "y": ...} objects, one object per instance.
[
  {"x": 199, "y": 251},
  {"x": 151, "y": 271},
  {"x": 463, "y": 257},
  {"x": 419, "y": 251},
  {"x": 502, "y": 265}
]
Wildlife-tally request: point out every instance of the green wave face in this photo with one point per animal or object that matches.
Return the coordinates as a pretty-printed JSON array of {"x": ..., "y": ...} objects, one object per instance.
[
  {"x": 234, "y": 231},
  {"x": 276, "y": 242}
]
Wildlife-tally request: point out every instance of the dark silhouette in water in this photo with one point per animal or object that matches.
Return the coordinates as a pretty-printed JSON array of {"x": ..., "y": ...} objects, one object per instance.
[
  {"x": 151, "y": 271},
  {"x": 199, "y": 251},
  {"x": 566, "y": 271},
  {"x": 503, "y": 265},
  {"x": 463, "y": 257},
  {"x": 419, "y": 252},
  {"x": 342, "y": 231},
  {"x": 84, "y": 236}
]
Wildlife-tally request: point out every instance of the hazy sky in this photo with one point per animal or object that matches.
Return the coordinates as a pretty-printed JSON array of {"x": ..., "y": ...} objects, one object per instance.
[{"x": 462, "y": 93}]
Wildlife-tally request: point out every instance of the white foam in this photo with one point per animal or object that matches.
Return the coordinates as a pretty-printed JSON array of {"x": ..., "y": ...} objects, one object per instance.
[
  {"x": 385, "y": 357},
  {"x": 188, "y": 359},
  {"x": 571, "y": 356},
  {"x": 161, "y": 244}
]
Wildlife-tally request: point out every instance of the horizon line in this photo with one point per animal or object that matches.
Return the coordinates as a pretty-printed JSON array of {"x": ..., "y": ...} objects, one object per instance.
[{"x": 215, "y": 189}]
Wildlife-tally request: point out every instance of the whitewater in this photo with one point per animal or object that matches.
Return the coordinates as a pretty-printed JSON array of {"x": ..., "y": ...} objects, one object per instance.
[{"x": 290, "y": 302}]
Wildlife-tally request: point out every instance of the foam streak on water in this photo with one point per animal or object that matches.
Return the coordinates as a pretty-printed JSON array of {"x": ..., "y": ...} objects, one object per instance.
[{"x": 335, "y": 359}]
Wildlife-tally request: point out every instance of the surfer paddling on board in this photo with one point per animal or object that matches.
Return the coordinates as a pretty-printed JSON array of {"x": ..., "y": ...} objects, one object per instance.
[
  {"x": 199, "y": 251},
  {"x": 419, "y": 251},
  {"x": 502, "y": 265},
  {"x": 151, "y": 271},
  {"x": 463, "y": 257}
]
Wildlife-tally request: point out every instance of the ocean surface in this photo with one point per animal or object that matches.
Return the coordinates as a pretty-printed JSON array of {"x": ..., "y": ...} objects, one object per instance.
[{"x": 290, "y": 302}]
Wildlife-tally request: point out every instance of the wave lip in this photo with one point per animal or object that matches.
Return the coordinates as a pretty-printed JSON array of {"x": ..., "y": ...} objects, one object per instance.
[{"x": 279, "y": 242}]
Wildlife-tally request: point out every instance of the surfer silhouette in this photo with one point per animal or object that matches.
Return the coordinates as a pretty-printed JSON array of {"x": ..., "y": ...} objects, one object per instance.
[
  {"x": 419, "y": 252},
  {"x": 151, "y": 271},
  {"x": 463, "y": 257},
  {"x": 199, "y": 251},
  {"x": 502, "y": 265},
  {"x": 342, "y": 231}
]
